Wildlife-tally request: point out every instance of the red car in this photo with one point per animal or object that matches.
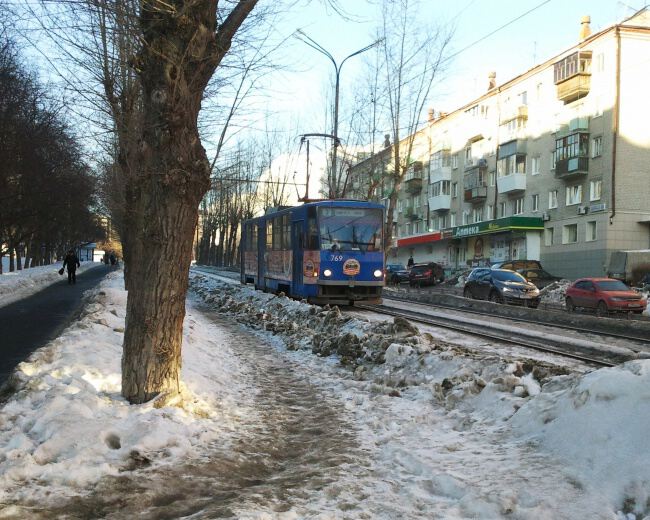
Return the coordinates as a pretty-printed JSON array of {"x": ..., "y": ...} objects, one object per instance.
[{"x": 605, "y": 295}]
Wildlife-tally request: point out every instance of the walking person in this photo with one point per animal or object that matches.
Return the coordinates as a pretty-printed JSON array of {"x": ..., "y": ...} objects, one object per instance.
[
  {"x": 72, "y": 262},
  {"x": 410, "y": 262}
]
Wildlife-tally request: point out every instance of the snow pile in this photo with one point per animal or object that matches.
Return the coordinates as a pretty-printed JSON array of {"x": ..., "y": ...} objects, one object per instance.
[
  {"x": 67, "y": 425},
  {"x": 20, "y": 284},
  {"x": 599, "y": 426},
  {"x": 556, "y": 293},
  {"x": 393, "y": 354}
]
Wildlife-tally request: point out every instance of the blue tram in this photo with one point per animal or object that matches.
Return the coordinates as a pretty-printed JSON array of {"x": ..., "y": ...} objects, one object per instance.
[{"x": 327, "y": 252}]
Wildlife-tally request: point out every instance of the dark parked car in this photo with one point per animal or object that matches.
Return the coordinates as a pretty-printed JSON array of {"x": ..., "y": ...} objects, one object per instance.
[
  {"x": 428, "y": 273},
  {"x": 501, "y": 286},
  {"x": 515, "y": 265},
  {"x": 396, "y": 273},
  {"x": 539, "y": 277},
  {"x": 605, "y": 295}
]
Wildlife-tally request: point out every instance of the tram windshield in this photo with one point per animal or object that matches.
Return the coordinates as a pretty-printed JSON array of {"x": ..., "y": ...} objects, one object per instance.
[{"x": 350, "y": 229}]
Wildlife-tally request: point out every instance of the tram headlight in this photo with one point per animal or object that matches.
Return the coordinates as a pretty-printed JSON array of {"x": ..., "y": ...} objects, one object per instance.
[
  {"x": 327, "y": 273},
  {"x": 378, "y": 273}
]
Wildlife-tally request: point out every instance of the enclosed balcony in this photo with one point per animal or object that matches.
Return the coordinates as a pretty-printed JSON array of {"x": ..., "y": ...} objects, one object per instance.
[
  {"x": 413, "y": 178},
  {"x": 440, "y": 203},
  {"x": 572, "y": 155},
  {"x": 573, "y": 76},
  {"x": 512, "y": 183},
  {"x": 440, "y": 167},
  {"x": 572, "y": 167},
  {"x": 475, "y": 184}
]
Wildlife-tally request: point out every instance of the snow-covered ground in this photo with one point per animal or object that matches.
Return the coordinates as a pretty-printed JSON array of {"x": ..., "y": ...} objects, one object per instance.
[
  {"x": 20, "y": 284},
  {"x": 443, "y": 431}
]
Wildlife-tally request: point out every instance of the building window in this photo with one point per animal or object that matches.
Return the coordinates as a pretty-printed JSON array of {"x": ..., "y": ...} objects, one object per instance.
[
  {"x": 452, "y": 220},
  {"x": 490, "y": 212},
  {"x": 535, "y": 165},
  {"x": 600, "y": 62},
  {"x": 591, "y": 231},
  {"x": 465, "y": 217},
  {"x": 595, "y": 190},
  {"x": 552, "y": 199},
  {"x": 523, "y": 98},
  {"x": 570, "y": 234},
  {"x": 493, "y": 178},
  {"x": 573, "y": 195},
  {"x": 535, "y": 201},
  {"x": 548, "y": 236},
  {"x": 416, "y": 202},
  {"x": 477, "y": 214},
  {"x": 597, "y": 146},
  {"x": 518, "y": 206},
  {"x": 443, "y": 221},
  {"x": 553, "y": 159},
  {"x": 468, "y": 156},
  {"x": 454, "y": 161},
  {"x": 502, "y": 209},
  {"x": 454, "y": 189},
  {"x": 400, "y": 205}
]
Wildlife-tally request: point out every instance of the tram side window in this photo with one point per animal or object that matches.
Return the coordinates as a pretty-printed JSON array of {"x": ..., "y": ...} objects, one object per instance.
[
  {"x": 312, "y": 230},
  {"x": 286, "y": 232},
  {"x": 277, "y": 233},
  {"x": 269, "y": 234},
  {"x": 252, "y": 237}
]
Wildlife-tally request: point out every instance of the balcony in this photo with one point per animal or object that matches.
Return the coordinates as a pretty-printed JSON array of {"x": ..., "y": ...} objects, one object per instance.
[
  {"x": 442, "y": 173},
  {"x": 413, "y": 186},
  {"x": 412, "y": 214},
  {"x": 475, "y": 194},
  {"x": 519, "y": 112},
  {"x": 573, "y": 76},
  {"x": 512, "y": 183},
  {"x": 572, "y": 167},
  {"x": 440, "y": 203},
  {"x": 414, "y": 171}
]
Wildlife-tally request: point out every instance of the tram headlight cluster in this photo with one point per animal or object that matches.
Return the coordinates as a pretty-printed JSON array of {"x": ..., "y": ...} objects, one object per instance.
[
  {"x": 327, "y": 273},
  {"x": 378, "y": 273}
]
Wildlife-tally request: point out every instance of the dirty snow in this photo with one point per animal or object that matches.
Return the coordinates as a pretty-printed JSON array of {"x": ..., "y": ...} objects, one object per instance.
[{"x": 452, "y": 433}]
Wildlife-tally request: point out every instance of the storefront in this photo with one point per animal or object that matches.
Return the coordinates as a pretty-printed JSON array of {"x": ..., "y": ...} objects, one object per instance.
[
  {"x": 429, "y": 247},
  {"x": 484, "y": 243}
]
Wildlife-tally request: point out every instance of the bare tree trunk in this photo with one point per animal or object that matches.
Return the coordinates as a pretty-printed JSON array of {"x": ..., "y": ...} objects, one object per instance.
[{"x": 178, "y": 58}]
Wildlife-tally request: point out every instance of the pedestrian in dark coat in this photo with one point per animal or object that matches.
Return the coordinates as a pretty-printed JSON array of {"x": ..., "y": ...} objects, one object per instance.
[
  {"x": 72, "y": 262},
  {"x": 410, "y": 262}
]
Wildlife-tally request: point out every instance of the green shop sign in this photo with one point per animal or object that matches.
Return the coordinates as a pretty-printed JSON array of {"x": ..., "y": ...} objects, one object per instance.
[{"x": 498, "y": 225}]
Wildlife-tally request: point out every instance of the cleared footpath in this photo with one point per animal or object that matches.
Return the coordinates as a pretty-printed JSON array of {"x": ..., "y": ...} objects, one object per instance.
[{"x": 28, "y": 324}]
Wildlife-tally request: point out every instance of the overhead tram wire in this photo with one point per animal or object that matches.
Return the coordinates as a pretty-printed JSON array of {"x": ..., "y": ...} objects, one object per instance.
[{"x": 482, "y": 38}]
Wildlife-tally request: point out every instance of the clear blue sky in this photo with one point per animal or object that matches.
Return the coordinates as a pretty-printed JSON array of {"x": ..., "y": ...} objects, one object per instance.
[{"x": 535, "y": 37}]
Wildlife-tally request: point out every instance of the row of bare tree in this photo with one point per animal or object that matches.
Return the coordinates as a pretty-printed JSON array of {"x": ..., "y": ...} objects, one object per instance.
[{"x": 47, "y": 191}]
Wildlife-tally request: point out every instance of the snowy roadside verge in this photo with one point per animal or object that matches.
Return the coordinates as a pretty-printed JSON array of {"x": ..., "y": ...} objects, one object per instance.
[
  {"x": 594, "y": 426},
  {"x": 20, "y": 284},
  {"x": 67, "y": 426}
]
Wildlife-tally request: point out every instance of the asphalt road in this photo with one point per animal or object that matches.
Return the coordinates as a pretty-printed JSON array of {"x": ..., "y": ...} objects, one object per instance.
[{"x": 28, "y": 324}]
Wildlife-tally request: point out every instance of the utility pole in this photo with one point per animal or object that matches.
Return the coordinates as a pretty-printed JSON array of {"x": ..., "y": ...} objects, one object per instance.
[{"x": 333, "y": 180}]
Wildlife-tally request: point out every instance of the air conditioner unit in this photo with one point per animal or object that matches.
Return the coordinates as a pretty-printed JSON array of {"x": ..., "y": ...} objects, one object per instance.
[
  {"x": 546, "y": 217},
  {"x": 597, "y": 207},
  {"x": 482, "y": 163},
  {"x": 583, "y": 210}
]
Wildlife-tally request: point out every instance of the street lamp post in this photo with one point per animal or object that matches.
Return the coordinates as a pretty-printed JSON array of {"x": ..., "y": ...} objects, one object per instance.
[{"x": 337, "y": 68}]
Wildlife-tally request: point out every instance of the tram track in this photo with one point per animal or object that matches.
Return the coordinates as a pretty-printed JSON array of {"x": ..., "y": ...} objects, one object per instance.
[
  {"x": 583, "y": 350},
  {"x": 580, "y": 350},
  {"x": 626, "y": 337}
]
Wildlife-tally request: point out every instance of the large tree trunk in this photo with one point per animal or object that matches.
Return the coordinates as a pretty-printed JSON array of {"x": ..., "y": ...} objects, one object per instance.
[{"x": 180, "y": 53}]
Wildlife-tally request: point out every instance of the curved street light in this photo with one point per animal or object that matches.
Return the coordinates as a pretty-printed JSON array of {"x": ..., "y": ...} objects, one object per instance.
[{"x": 337, "y": 67}]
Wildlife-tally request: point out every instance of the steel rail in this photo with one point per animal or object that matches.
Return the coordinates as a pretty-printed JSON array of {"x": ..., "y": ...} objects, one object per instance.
[
  {"x": 640, "y": 339},
  {"x": 456, "y": 325}
]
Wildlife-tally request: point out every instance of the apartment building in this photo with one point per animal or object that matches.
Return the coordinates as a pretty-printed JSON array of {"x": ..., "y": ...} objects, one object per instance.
[{"x": 552, "y": 165}]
